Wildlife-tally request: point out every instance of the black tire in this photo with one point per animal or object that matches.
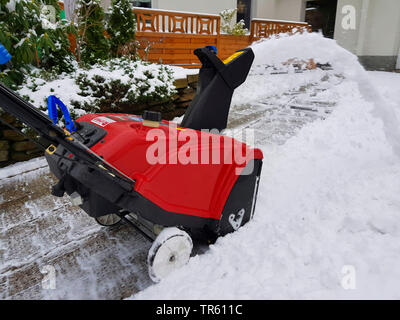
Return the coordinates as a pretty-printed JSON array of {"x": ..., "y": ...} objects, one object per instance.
[{"x": 109, "y": 220}]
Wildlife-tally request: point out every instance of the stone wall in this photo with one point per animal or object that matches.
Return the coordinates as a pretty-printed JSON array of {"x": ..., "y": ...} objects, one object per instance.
[
  {"x": 186, "y": 88},
  {"x": 14, "y": 147}
]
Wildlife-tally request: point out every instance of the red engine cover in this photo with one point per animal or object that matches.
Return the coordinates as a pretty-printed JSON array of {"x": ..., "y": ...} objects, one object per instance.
[{"x": 184, "y": 182}]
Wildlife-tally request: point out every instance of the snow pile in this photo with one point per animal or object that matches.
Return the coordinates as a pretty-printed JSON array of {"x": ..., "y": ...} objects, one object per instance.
[
  {"x": 277, "y": 51},
  {"x": 328, "y": 211}
]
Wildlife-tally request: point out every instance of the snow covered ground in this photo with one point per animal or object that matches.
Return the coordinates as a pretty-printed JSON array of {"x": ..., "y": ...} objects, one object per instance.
[
  {"x": 327, "y": 222},
  {"x": 328, "y": 211}
]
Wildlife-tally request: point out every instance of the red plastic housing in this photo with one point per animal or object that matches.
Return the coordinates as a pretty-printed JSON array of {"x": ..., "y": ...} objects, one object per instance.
[{"x": 196, "y": 188}]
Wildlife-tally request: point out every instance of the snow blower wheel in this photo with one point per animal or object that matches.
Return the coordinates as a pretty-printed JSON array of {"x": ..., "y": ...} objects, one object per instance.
[
  {"x": 109, "y": 220},
  {"x": 170, "y": 251}
]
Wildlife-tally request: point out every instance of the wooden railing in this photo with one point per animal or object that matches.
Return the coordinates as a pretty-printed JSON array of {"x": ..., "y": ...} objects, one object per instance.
[
  {"x": 263, "y": 28},
  {"x": 176, "y": 22},
  {"x": 170, "y": 37}
]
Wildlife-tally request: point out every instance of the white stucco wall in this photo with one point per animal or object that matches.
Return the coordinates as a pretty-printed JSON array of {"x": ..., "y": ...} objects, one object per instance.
[
  {"x": 382, "y": 28},
  {"x": 377, "y": 31},
  {"x": 203, "y": 6},
  {"x": 293, "y": 10}
]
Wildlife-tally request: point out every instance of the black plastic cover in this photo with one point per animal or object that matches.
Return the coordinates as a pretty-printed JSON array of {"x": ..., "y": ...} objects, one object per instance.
[
  {"x": 217, "y": 81},
  {"x": 151, "y": 115}
]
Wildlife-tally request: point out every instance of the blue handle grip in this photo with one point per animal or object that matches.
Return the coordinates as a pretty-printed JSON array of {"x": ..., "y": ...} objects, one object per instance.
[
  {"x": 212, "y": 48},
  {"x": 52, "y": 103},
  {"x": 4, "y": 55}
]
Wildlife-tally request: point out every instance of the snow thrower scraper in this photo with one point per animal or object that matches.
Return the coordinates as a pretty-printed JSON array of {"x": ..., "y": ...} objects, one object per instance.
[{"x": 173, "y": 182}]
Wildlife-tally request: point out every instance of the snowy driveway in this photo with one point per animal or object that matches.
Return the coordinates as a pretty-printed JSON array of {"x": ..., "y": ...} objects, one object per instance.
[
  {"x": 328, "y": 199},
  {"x": 39, "y": 231}
]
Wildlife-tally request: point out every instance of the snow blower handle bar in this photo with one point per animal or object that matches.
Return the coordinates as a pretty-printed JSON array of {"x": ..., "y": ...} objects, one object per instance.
[
  {"x": 52, "y": 134},
  {"x": 29, "y": 115}
]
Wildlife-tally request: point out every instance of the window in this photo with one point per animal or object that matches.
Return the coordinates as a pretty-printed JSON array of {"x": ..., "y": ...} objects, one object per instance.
[{"x": 142, "y": 3}]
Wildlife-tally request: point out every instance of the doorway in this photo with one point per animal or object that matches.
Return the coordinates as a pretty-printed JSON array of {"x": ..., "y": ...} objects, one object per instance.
[
  {"x": 321, "y": 15},
  {"x": 244, "y": 12}
]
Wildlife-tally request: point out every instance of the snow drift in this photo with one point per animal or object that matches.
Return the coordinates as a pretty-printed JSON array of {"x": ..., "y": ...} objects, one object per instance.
[{"x": 328, "y": 200}]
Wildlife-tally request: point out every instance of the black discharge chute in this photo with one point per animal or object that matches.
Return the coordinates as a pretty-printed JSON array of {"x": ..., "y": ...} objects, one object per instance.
[{"x": 217, "y": 81}]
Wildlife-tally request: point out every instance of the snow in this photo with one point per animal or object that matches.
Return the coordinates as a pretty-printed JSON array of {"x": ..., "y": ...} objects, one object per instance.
[
  {"x": 10, "y": 5},
  {"x": 328, "y": 201},
  {"x": 385, "y": 82},
  {"x": 22, "y": 167},
  {"x": 180, "y": 73}
]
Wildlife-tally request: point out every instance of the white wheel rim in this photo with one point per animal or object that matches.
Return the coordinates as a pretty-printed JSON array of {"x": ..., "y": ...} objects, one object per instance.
[
  {"x": 109, "y": 219},
  {"x": 170, "y": 255}
]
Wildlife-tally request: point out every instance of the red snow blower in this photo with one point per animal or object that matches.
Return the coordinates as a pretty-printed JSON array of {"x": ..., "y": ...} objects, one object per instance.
[{"x": 173, "y": 182}]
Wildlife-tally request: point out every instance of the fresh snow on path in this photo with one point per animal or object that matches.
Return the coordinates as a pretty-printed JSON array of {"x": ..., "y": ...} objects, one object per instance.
[{"x": 328, "y": 205}]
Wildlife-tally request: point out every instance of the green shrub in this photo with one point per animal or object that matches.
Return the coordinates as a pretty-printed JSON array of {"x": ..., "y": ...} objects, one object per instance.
[
  {"x": 92, "y": 43},
  {"x": 33, "y": 35},
  {"x": 122, "y": 29}
]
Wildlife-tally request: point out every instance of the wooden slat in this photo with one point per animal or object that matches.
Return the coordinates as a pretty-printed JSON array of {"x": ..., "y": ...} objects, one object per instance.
[
  {"x": 178, "y": 48},
  {"x": 182, "y": 22},
  {"x": 170, "y": 56}
]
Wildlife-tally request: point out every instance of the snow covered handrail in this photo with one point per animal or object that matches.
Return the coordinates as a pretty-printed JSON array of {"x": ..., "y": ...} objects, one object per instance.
[
  {"x": 150, "y": 20},
  {"x": 263, "y": 28}
]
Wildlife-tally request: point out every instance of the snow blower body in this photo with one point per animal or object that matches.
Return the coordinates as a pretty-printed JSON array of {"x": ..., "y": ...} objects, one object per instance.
[{"x": 166, "y": 175}]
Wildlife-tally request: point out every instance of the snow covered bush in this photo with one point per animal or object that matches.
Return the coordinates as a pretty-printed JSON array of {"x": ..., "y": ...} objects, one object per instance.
[
  {"x": 33, "y": 34},
  {"x": 237, "y": 29},
  {"x": 118, "y": 85},
  {"x": 122, "y": 29}
]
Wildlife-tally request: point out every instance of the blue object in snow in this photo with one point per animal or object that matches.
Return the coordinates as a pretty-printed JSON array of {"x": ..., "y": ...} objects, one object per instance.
[
  {"x": 52, "y": 103},
  {"x": 4, "y": 55},
  {"x": 212, "y": 48}
]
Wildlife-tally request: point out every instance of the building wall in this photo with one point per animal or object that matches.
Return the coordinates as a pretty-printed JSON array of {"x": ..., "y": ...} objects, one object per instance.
[
  {"x": 203, "y": 6},
  {"x": 292, "y": 10},
  {"x": 383, "y": 28},
  {"x": 376, "y": 37}
]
